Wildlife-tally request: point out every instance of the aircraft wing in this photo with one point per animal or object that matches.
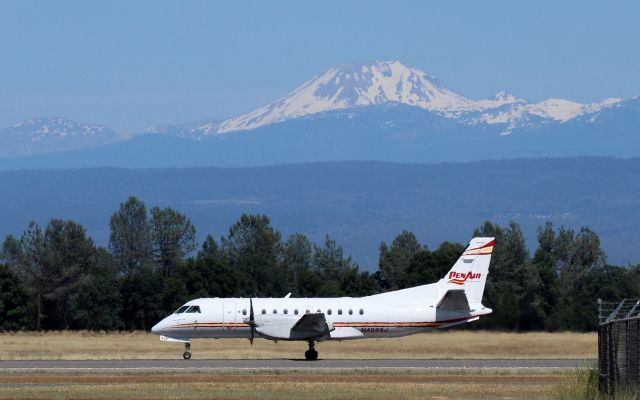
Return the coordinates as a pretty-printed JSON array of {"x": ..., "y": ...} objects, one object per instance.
[
  {"x": 314, "y": 323},
  {"x": 285, "y": 327}
]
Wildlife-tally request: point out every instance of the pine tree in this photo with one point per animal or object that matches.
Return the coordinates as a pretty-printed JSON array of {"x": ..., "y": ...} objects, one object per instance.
[{"x": 130, "y": 239}]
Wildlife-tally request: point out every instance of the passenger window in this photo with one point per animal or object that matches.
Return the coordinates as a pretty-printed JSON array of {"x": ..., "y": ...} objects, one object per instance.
[
  {"x": 193, "y": 309},
  {"x": 361, "y": 311},
  {"x": 286, "y": 311},
  {"x": 350, "y": 312},
  {"x": 307, "y": 311},
  {"x": 264, "y": 311},
  {"x": 275, "y": 311},
  {"x": 295, "y": 311},
  {"x": 339, "y": 311},
  {"x": 319, "y": 311},
  {"x": 181, "y": 310},
  {"x": 244, "y": 312},
  {"x": 329, "y": 312}
]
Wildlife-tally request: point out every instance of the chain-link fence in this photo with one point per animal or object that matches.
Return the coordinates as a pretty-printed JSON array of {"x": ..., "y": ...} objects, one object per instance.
[{"x": 618, "y": 355}]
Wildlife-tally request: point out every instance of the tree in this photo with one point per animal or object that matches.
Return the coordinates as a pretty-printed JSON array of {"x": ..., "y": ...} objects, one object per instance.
[
  {"x": 14, "y": 302},
  {"x": 52, "y": 264},
  {"x": 211, "y": 276},
  {"x": 25, "y": 257},
  {"x": 545, "y": 261},
  {"x": 174, "y": 236},
  {"x": 142, "y": 294},
  {"x": 210, "y": 249},
  {"x": 255, "y": 248},
  {"x": 298, "y": 252},
  {"x": 580, "y": 261},
  {"x": 67, "y": 258},
  {"x": 130, "y": 239},
  {"x": 309, "y": 283},
  {"x": 357, "y": 283},
  {"x": 395, "y": 260},
  {"x": 330, "y": 261},
  {"x": 428, "y": 267},
  {"x": 512, "y": 284},
  {"x": 334, "y": 274},
  {"x": 97, "y": 303}
]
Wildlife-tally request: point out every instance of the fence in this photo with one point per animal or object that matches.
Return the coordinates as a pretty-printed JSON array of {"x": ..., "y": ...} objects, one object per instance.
[{"x": 618, "y": 355}]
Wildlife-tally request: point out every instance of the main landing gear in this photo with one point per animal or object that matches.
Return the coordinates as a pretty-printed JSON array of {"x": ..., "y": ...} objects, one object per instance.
[
  {"x": 311, "y": 354},
  {"x": 187, "y": 351}
]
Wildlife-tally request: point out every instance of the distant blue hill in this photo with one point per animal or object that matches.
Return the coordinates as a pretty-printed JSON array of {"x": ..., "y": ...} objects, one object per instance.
[
  {"x": 358, "y": 203},
  {"x": 396, "y": 133}
]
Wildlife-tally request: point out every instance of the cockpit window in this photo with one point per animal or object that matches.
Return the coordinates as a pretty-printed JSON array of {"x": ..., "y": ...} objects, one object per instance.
[
  {"x": 181, "y": 310},
  {"x": 193, "y": 309}
]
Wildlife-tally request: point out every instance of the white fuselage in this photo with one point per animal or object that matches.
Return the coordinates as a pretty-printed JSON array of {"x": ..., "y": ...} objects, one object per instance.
[{"x": 351, "y": 318}]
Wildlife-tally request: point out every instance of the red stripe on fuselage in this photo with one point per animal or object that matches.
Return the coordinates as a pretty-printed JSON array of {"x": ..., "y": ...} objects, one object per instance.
[{"x": 354, "y": 324}]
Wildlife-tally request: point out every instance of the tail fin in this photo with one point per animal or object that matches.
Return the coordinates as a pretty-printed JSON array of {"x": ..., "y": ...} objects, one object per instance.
[
  {"x": 461, "y": 289},
  {"x": 469, "y": 273}
]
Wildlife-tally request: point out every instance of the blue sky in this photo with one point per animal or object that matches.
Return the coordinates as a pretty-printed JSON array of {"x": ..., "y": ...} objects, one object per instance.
[{"x": 131, "y": 64}]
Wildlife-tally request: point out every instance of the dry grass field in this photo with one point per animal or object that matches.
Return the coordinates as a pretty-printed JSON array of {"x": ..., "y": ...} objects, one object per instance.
[
  {"x": 349, "y": 385},
  {"x": 452, "y": 344}
]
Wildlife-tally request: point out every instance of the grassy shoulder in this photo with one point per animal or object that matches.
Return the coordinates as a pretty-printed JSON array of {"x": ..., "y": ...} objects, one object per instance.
[
  {"x": 352, "y": 385},
  {"x": 451, "y": 344}
]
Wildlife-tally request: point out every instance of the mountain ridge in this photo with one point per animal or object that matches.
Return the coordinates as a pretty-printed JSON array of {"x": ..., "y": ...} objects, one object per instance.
[
  {"x": 395, "y": 133},
  {"x": 383, "y": 82},
  {"x": 357, "y": 203},
  {"x": 51, "y": 134},
  {"x": 332, "y": 117}
]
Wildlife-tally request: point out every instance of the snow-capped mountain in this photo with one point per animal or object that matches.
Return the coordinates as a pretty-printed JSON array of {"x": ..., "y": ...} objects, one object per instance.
[
  {"x": 46, "y": 135},
  {"x": 375, "y": 111},
  {"x": 387, "y": 82}
]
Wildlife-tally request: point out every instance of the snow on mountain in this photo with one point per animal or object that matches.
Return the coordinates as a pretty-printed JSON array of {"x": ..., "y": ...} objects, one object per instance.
[
  {"x": 193, "y": 130},
  {"x": 384, "y": 82},
  {"x": 45, "y": 135},
  {"x": 564, "y": 110},
  {"x": 351, "y": 86}
]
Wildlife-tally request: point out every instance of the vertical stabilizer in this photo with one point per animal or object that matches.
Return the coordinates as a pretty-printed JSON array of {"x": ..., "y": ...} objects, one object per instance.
[{"x": 470, "y": 272}]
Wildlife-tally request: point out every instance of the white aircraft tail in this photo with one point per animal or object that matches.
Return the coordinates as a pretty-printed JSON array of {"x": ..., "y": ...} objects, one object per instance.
[
  {"x": 470, "y": 272},
  {"x": 461, "y": 289}
]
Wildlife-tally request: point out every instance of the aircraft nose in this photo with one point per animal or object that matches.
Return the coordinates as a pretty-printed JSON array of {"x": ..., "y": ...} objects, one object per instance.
[{"x": 157, "y": 328}]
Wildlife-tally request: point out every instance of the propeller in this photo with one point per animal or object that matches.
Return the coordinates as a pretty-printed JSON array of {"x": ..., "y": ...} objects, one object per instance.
[{"x": 251, "y": 321}]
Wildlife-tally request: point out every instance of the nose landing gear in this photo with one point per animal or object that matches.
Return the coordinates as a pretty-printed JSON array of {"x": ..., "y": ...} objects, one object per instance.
[
  {"x": 311, "y": 354},
  {"x": 187, "y": 351}
]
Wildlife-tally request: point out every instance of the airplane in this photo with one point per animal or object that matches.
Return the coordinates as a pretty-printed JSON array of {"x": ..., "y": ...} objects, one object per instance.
[{"x": 455, "y": 299}]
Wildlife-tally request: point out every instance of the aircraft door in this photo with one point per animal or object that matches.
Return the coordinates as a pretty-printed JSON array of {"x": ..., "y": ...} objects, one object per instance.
[{"x": 229, "y": 315}]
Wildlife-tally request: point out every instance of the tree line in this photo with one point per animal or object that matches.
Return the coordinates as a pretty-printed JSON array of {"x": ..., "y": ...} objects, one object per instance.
[{"x": 56, "y": 278}]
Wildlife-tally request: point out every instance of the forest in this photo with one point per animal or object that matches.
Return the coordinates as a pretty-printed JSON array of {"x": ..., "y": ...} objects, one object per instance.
[{"x": 55, "y": 277}]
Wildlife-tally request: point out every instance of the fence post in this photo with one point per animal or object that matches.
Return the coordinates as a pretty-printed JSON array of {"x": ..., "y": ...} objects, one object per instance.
[
  {"x": 627, "y": 356},
  {"x": 637, "y": 377},
  {"x": 610, "y": 366},
  {"x": 603, "y": 374}
]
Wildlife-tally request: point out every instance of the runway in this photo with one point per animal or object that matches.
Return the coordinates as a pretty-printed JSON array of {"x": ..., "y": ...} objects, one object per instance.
[{"x": 103, "y": 366}]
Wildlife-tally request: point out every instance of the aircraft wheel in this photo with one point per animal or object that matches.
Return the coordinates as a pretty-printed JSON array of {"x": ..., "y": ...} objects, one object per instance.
[
  {"x": 187, "y": 351},
  {"x": 311, "y": 355}
]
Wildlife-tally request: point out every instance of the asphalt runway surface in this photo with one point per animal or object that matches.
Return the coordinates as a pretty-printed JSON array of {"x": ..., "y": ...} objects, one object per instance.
[{"x": 104, "y": 366}]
